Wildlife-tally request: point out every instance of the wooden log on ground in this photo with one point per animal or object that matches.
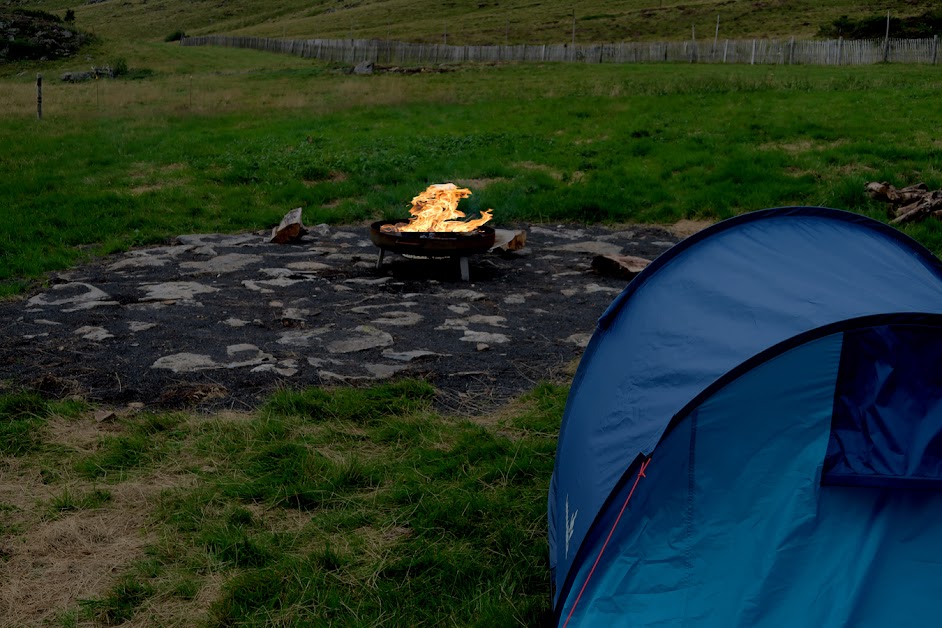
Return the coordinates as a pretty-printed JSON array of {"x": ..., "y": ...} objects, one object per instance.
[
  {"x": 625, "y": 266},
  {"x": 290, "y": 228}
]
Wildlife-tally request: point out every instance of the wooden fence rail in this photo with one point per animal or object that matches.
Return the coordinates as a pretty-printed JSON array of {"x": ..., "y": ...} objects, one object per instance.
[{"x": 752, "y": 51}]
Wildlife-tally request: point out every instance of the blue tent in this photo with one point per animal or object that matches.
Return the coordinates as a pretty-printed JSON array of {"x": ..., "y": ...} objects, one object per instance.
[{"x": 754, "y": 435}]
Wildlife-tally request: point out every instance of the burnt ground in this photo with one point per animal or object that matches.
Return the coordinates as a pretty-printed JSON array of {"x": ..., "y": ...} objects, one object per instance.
[{"x": 220, "y": 321}]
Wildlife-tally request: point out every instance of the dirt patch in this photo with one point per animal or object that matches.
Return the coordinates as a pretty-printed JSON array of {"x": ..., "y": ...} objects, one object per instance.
[{"x": 58, "y": 562}]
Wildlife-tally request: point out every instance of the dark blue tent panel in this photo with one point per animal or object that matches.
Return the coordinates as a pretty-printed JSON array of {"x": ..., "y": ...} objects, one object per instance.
[
  {"x": 887, "y": 427},
  {"x": 685, "y": 336}
]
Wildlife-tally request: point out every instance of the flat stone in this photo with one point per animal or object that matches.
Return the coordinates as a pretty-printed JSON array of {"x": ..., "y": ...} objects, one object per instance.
[
  {"x": 97, "y": 334},
  {"x": 409, "y": 356},
  {"x": 462, "y": 295},
  {"x": 483, "y": 336},
  {"x": 516, "y": 299},
  {"x": 44, "y": 321},
  {"x": 482, "y": 319},
  {"x": 81, "y": 296},
  {"x": 398, "y": 319},
  {"x": 593, "y": 247},
  {"x": 341, "y": 288},
  {"x": 581, "y": 340},
  {"x": 618, "y": 235},
  {"x": 246, "y": 355},
  {"x": 483, "y": 346},
  {"x": 365, "y": 338},
  {"x": 319, "y": 362},
  {"x": 662, "y": 243},
  {"x": 369, "y": 282},
  {"x": 565, "y": 234},
  {"x": 384, "y": 371},
  {"x": 185, "y": 363},
  {"x": 285, "y": 368},
  {"x": 175, "y": 291},
  {"x": 569, "y": 292},
  {"x": 475, "y": 319},
  {"x": 366, "y": 309},
  {"x": 308, "y": 267},
  {"x": 338, "y": 377},
  {"x": 221, "y": 264},
  {"x": 136, "y": 326},
  {"x": 235, "y": 322},
  {"x": 302, "y": 337},
  {"x": 140, "y": 261},
  {"x": 460, "y": 309},
  {"x": 592, "y": 288},
  {"x": 295, "y": 314}
]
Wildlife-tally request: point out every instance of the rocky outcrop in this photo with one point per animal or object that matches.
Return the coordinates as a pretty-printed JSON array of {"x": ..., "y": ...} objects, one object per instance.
[{"x": 36, "y": 35}]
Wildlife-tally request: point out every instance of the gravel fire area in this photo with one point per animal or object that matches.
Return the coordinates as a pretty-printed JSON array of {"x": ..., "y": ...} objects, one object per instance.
[{"x": 221, "y": 321}]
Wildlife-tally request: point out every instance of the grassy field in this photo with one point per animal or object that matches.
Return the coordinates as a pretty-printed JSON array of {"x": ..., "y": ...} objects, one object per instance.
[
  {"x": 483, "y": 22},
  {"x": 122, "y": 163},
  {"x": 351, "y": 508}
]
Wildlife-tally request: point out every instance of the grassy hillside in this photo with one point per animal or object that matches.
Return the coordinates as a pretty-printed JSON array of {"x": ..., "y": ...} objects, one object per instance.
[{"x": 480, "y": 22}]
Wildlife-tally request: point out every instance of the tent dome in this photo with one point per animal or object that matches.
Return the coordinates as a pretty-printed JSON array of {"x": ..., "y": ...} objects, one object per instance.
[{"x": 711, "y": 313}]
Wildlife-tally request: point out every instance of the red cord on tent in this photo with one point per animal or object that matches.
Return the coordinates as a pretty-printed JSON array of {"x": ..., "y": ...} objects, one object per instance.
[{"x": 644, "y": 465}]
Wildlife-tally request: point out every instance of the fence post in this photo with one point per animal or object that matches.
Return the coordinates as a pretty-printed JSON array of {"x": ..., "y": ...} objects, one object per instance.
[
  {"x": 753, "y": 62},
  {"x": 840, "y": 50},
  {"x": 39, "y": 96},
  {"x": 716, "y": 37},
  {"x": 886, "y": 39},
  {"x": 791, "y": 51},
  {"x": 725, "y": 50},
  {"x": 935, "y": 48}
]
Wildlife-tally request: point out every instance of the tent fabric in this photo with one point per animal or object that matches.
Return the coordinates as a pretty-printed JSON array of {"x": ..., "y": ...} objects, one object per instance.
[
  {"x": 732, "y": 527},
  {"x": 887, "y": 425},
  {"x": 699, "y": 311}
]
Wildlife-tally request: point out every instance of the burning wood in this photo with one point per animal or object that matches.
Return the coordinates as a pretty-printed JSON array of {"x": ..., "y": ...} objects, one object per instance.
[
  {"x": 911, "y": 203},
  {"x": 436, "y": 210}
]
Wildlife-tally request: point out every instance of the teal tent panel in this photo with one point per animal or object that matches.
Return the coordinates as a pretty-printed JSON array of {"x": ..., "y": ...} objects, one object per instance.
[{"x": 714, "y": 544}]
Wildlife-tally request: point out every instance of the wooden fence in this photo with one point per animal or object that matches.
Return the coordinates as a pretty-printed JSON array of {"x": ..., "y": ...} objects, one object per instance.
[{"x": 753, "y": 51}]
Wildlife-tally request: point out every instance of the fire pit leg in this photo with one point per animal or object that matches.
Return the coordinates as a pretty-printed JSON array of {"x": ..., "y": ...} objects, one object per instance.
[
  {"x": 465, "y": 272},
  {"x": 379, "y": 260}
]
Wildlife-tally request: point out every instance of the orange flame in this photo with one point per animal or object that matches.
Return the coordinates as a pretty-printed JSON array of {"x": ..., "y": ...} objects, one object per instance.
[{"x": 436, "y": 209}]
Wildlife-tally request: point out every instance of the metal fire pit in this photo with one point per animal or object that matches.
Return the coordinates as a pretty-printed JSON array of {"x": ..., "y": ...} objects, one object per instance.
[{"x": 432, "y": 244}]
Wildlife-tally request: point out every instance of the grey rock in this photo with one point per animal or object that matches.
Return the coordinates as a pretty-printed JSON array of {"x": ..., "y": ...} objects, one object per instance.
[
  {"x": 93, "y": 333},
  {"x": 364, "y": 338},
  {"x": 483, "y": 336},
  {"x": 175, "y": 291},
  {"x": 140, "y": 261},
  {"x": 302, "y": 337},
  {"x": 384, "y": 371},
  {"x": 185, "y": 363},
  {"x": 363, "y": 67},
  {"x": 398, "y": 319},
  {"x": 136, "y": 326},
  {"x": 409, "y": 356},
  {"x": 81, "y": 296},
  {"x": 580, "y": 340},
  {"x": 228, "y": 263}
]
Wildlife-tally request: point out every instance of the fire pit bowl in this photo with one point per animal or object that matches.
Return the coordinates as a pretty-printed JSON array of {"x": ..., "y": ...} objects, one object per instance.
[{"x": 432, "y": 244}]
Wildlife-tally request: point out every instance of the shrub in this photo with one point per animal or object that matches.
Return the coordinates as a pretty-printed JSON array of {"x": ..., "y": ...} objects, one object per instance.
[{"x": 176, "y": 35}]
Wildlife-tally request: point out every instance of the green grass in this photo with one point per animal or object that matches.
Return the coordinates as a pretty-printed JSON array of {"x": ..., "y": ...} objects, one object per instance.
[
  {"x": 347, "y": 507},
  {"x": 580, "y": 144},
  {"x": 486, "y": 22}
]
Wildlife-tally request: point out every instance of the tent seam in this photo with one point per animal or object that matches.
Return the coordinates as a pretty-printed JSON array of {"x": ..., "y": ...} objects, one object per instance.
[{"x": 688, "y": 514}]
